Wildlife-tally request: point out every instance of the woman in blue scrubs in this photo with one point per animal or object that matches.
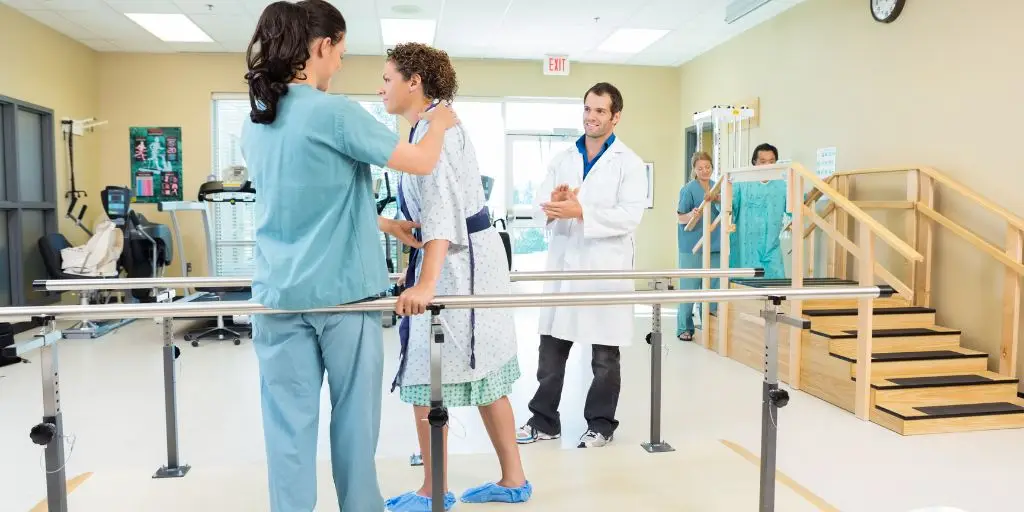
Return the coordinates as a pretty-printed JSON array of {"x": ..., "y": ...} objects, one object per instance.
[
  {"x": 690, "y": 197},
  {"x": 317, "y": 245}
]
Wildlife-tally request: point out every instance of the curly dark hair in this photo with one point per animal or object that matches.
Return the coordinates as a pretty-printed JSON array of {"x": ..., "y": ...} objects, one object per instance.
[{"x": 432, "y": 65}]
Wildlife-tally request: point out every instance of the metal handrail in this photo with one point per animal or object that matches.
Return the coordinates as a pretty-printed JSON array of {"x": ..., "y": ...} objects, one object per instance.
[
  {"x": 141, "y": 283},
  {"x": 526, "y": 300}
]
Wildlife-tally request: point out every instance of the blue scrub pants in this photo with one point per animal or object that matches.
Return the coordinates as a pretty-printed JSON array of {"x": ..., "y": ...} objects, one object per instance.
[
  {"x": 684, "y": 317},
  {"x": 293, "y": 352}
]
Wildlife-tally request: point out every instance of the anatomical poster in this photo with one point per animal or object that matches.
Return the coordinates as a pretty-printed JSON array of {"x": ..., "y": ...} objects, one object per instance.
[{"x": 155, "y": 164}]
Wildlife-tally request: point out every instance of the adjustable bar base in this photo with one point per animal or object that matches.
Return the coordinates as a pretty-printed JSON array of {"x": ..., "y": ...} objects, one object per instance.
[
  {"x": 658, "y": 447},
  {"x": 166, "y": 472}
]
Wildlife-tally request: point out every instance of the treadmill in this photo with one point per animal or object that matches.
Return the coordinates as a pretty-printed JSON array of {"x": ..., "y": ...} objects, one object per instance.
[{"x": 213, "y": 192}]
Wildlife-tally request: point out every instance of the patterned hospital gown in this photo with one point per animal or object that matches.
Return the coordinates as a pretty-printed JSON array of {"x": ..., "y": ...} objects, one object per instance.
[
  {"x": 759, "y": 212},
  {"x": 440, "y": 203}
]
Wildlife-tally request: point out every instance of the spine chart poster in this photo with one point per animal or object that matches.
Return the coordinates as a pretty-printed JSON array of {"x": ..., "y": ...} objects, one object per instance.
[{"x": 155, "y": 164}]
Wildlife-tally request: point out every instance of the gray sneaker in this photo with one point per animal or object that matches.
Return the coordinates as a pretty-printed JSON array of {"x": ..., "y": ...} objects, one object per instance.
[
  {"x": 594, "y": 440},
  {"x": 528, "y": 434}
]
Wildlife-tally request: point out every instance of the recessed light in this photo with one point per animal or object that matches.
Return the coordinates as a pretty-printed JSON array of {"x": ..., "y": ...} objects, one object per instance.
[
  {"x": 173, "y": 28},
  {"x": 396, "y": 31},
  {"x": 631, "y": 40}
]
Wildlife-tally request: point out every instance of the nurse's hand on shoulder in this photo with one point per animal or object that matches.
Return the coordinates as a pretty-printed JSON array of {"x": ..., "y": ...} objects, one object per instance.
[
  {"x": 441, "y": 114},
  {"x": 414, "y": 301}
]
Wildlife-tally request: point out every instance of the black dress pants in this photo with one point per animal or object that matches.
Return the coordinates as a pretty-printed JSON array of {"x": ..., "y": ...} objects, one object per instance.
[{"x": 602, "y": 399}]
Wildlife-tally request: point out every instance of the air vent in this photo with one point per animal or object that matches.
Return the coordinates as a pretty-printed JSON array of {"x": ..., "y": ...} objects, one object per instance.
[{"x": 740, "y": 8}]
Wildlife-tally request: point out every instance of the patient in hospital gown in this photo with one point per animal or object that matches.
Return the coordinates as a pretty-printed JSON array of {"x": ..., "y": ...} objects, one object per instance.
[
  {"x": 462, "y": 254},
  {"x": 759, "y": 214}
]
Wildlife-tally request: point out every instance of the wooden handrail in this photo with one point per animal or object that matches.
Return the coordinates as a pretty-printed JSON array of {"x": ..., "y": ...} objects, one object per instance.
[
  {"x": 975, "y": 240},
  {"x": 860, "y": 215},
  {"x": 1008, "y": 216}
]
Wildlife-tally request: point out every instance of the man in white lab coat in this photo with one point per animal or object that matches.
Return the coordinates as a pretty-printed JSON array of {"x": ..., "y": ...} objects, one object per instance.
[{"x": 597, "y": 198}]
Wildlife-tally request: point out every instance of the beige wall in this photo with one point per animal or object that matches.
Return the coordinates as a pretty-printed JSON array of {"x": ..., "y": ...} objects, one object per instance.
[
  {"x": 934, "y": 88},
  {"x": 175, "y": 90},
  {"x": 42, "y": 67}
]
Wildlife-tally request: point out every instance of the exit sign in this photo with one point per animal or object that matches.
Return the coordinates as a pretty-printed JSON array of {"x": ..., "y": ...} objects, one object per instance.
[{"x": 556, "y": 65}]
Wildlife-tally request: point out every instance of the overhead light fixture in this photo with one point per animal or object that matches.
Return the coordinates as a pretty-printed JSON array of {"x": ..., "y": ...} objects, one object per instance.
[
  {"x": 395, "y": 31},
  {"x": 740, "y": 8},
  {"x": 172, "y": 28},
  {"x": 631, "y": 40}
]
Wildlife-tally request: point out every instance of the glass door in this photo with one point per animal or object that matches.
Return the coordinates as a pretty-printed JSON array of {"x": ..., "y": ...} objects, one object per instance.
[{"x": 528, "y": 158}]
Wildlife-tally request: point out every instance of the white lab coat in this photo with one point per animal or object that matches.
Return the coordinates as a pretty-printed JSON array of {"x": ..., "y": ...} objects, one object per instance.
[{"x": 613, "y": 199}]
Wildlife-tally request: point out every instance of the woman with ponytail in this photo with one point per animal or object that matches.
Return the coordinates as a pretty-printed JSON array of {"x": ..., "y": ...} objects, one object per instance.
[{"x": 317, "y": 245}]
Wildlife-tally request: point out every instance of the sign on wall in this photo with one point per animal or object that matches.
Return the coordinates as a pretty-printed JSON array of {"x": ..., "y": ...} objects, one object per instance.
[
  {"x": 155, "y": 164},
  {"x": 556, "y": 65},
  {"x": 826, "y": 162}
]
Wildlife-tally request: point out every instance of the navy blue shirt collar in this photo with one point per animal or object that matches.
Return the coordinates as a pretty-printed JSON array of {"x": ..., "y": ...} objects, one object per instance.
[{"x": 582, "y": 147}]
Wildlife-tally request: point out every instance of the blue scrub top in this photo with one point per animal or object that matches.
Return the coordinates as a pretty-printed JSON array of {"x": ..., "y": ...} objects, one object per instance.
[
  {"x": 582, "y": 147},
  {"x": 317, "y": 241},
  {"x": 690, "y": 197}
]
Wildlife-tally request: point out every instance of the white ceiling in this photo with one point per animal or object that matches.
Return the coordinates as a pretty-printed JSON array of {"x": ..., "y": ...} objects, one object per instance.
[{"x": 497, "y": 29}]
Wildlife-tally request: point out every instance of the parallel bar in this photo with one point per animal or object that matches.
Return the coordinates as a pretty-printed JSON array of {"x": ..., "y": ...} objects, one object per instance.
[
  {"x": 173, "y": 469},
  {"x": 769, "y": 412},
  {"x": 50, "y": 432},
  {"x": 141, "y": 283},
  {"x": 530, "y": 300},
  {"x": 656, "y": 443},
  {"x": 438, "y": 415}
]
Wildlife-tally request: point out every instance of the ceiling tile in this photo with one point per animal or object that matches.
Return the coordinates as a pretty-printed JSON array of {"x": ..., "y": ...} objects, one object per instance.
[
  {"x": 667, "y": 14},
  {"x": 196, "y": 47},
  {"x": 151, "y": 45},
  {"x": 144, "y": 6},
  {"x": 425, "y": 9},
  {"x": 55, "y": 5},
  {"x": 100, "y": 45},
  {"x": 217, "y": 7},
  {"x": 62, "y": 24}
]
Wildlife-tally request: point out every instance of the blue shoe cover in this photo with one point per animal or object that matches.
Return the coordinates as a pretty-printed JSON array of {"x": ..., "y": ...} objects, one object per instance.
[
  {"x": 413, "y": 502},
  {"x": 494, "y": 493}
]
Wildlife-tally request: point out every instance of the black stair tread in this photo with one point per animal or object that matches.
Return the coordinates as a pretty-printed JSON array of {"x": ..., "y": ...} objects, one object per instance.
[
  {"x": 901, "y": 332},
  {"x": 877, "y": 311},
  {"x": 917, "y": 355},
  {"x": 785, "y": 283},
  {"x": 933, "y": 381},
  {"x": 933, "y": 412}
]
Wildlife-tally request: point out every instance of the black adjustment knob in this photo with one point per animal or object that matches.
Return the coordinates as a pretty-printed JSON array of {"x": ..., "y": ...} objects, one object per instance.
[
  {"x": 648, "y": 337},
  {"x": 779, "y": 397},
  {"x": 43, "y": 433},
  {"x": 437, "y": 417},
  {"x": 177, "y": 352}
]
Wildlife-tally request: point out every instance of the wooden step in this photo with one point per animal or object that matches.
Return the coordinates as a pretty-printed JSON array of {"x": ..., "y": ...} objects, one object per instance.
[
  {"x": 882, "y": 318},
  {"x": 957, "y": 388},
  {"x": 910, "y": 419},
  {"x": 917, "y": 362},
  {"x": 907, "y": 339}
]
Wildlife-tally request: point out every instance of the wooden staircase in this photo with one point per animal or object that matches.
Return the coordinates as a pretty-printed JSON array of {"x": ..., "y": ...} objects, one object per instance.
[{"x": 923, "y": 380}]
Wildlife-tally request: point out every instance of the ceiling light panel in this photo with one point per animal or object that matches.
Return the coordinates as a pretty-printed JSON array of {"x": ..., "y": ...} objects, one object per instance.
[
  {"x": 631, "y": 40},
  {"x": 395, "y": 31},
  {"x": 176, "y": 28}
]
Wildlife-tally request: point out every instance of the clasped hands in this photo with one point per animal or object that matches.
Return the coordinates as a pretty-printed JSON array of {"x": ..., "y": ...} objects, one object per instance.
[{"x": 564, "y": 204}]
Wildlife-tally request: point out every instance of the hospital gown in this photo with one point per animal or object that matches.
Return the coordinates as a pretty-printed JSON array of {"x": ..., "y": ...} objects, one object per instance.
[
  {"x": 441, "y": 202},
  {"x": 759, "y": 213}
]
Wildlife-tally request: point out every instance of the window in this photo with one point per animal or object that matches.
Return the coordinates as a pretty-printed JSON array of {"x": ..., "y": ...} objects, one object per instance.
[
  {"x": 234, "y": 225},
  {"x": 28, "y": 198}
]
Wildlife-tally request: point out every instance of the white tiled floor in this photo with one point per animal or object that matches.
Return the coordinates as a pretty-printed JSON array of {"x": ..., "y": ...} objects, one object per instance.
[{"x": 112, "y": 399}]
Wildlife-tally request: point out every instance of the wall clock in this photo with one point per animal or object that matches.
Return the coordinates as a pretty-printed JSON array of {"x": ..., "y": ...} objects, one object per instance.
[{"x": 886, "y": 11}]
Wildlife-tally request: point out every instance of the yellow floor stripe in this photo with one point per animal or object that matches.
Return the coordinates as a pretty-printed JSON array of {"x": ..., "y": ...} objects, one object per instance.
[
  {"x": 804, "y": 492},
  {"x": 72, "y": 485}
]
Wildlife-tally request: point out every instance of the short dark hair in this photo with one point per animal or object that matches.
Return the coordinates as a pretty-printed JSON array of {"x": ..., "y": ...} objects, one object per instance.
[
  {"x": 607, "y": 89},
  {"x": 432, "y": 65},
  {"x": 763, "y": 147}
]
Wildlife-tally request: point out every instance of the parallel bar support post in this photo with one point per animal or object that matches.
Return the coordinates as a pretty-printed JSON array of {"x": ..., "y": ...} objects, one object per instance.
[
  {"x": 772, "y": 397},
  {"x": 174, "y": 468},
  {"x": 50, "y": 432},
  {"x": 656, "y": 443},
  {"x": 438, "y": 415}
]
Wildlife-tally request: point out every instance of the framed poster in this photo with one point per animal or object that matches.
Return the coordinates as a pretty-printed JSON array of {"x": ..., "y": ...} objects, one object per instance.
[
  {"x": 155, "y": 164},
  {"x": 649, "y": 170}
]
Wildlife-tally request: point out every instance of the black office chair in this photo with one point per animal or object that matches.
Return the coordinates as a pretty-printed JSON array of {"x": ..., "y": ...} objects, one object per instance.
[{"x": 148, "y": 246}]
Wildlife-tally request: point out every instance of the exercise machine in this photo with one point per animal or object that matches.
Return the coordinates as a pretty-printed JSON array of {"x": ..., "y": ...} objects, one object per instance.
[
  {"x": 217, "y": 192},
  {"x": 735, "y": 121},
  {"x": 388, "y": 318},
  {"x": 147, "y": 250}
]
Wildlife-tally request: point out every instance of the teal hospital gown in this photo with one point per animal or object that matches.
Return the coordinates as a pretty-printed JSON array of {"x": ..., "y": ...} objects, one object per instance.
[{"x": 759, "y": 213}]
